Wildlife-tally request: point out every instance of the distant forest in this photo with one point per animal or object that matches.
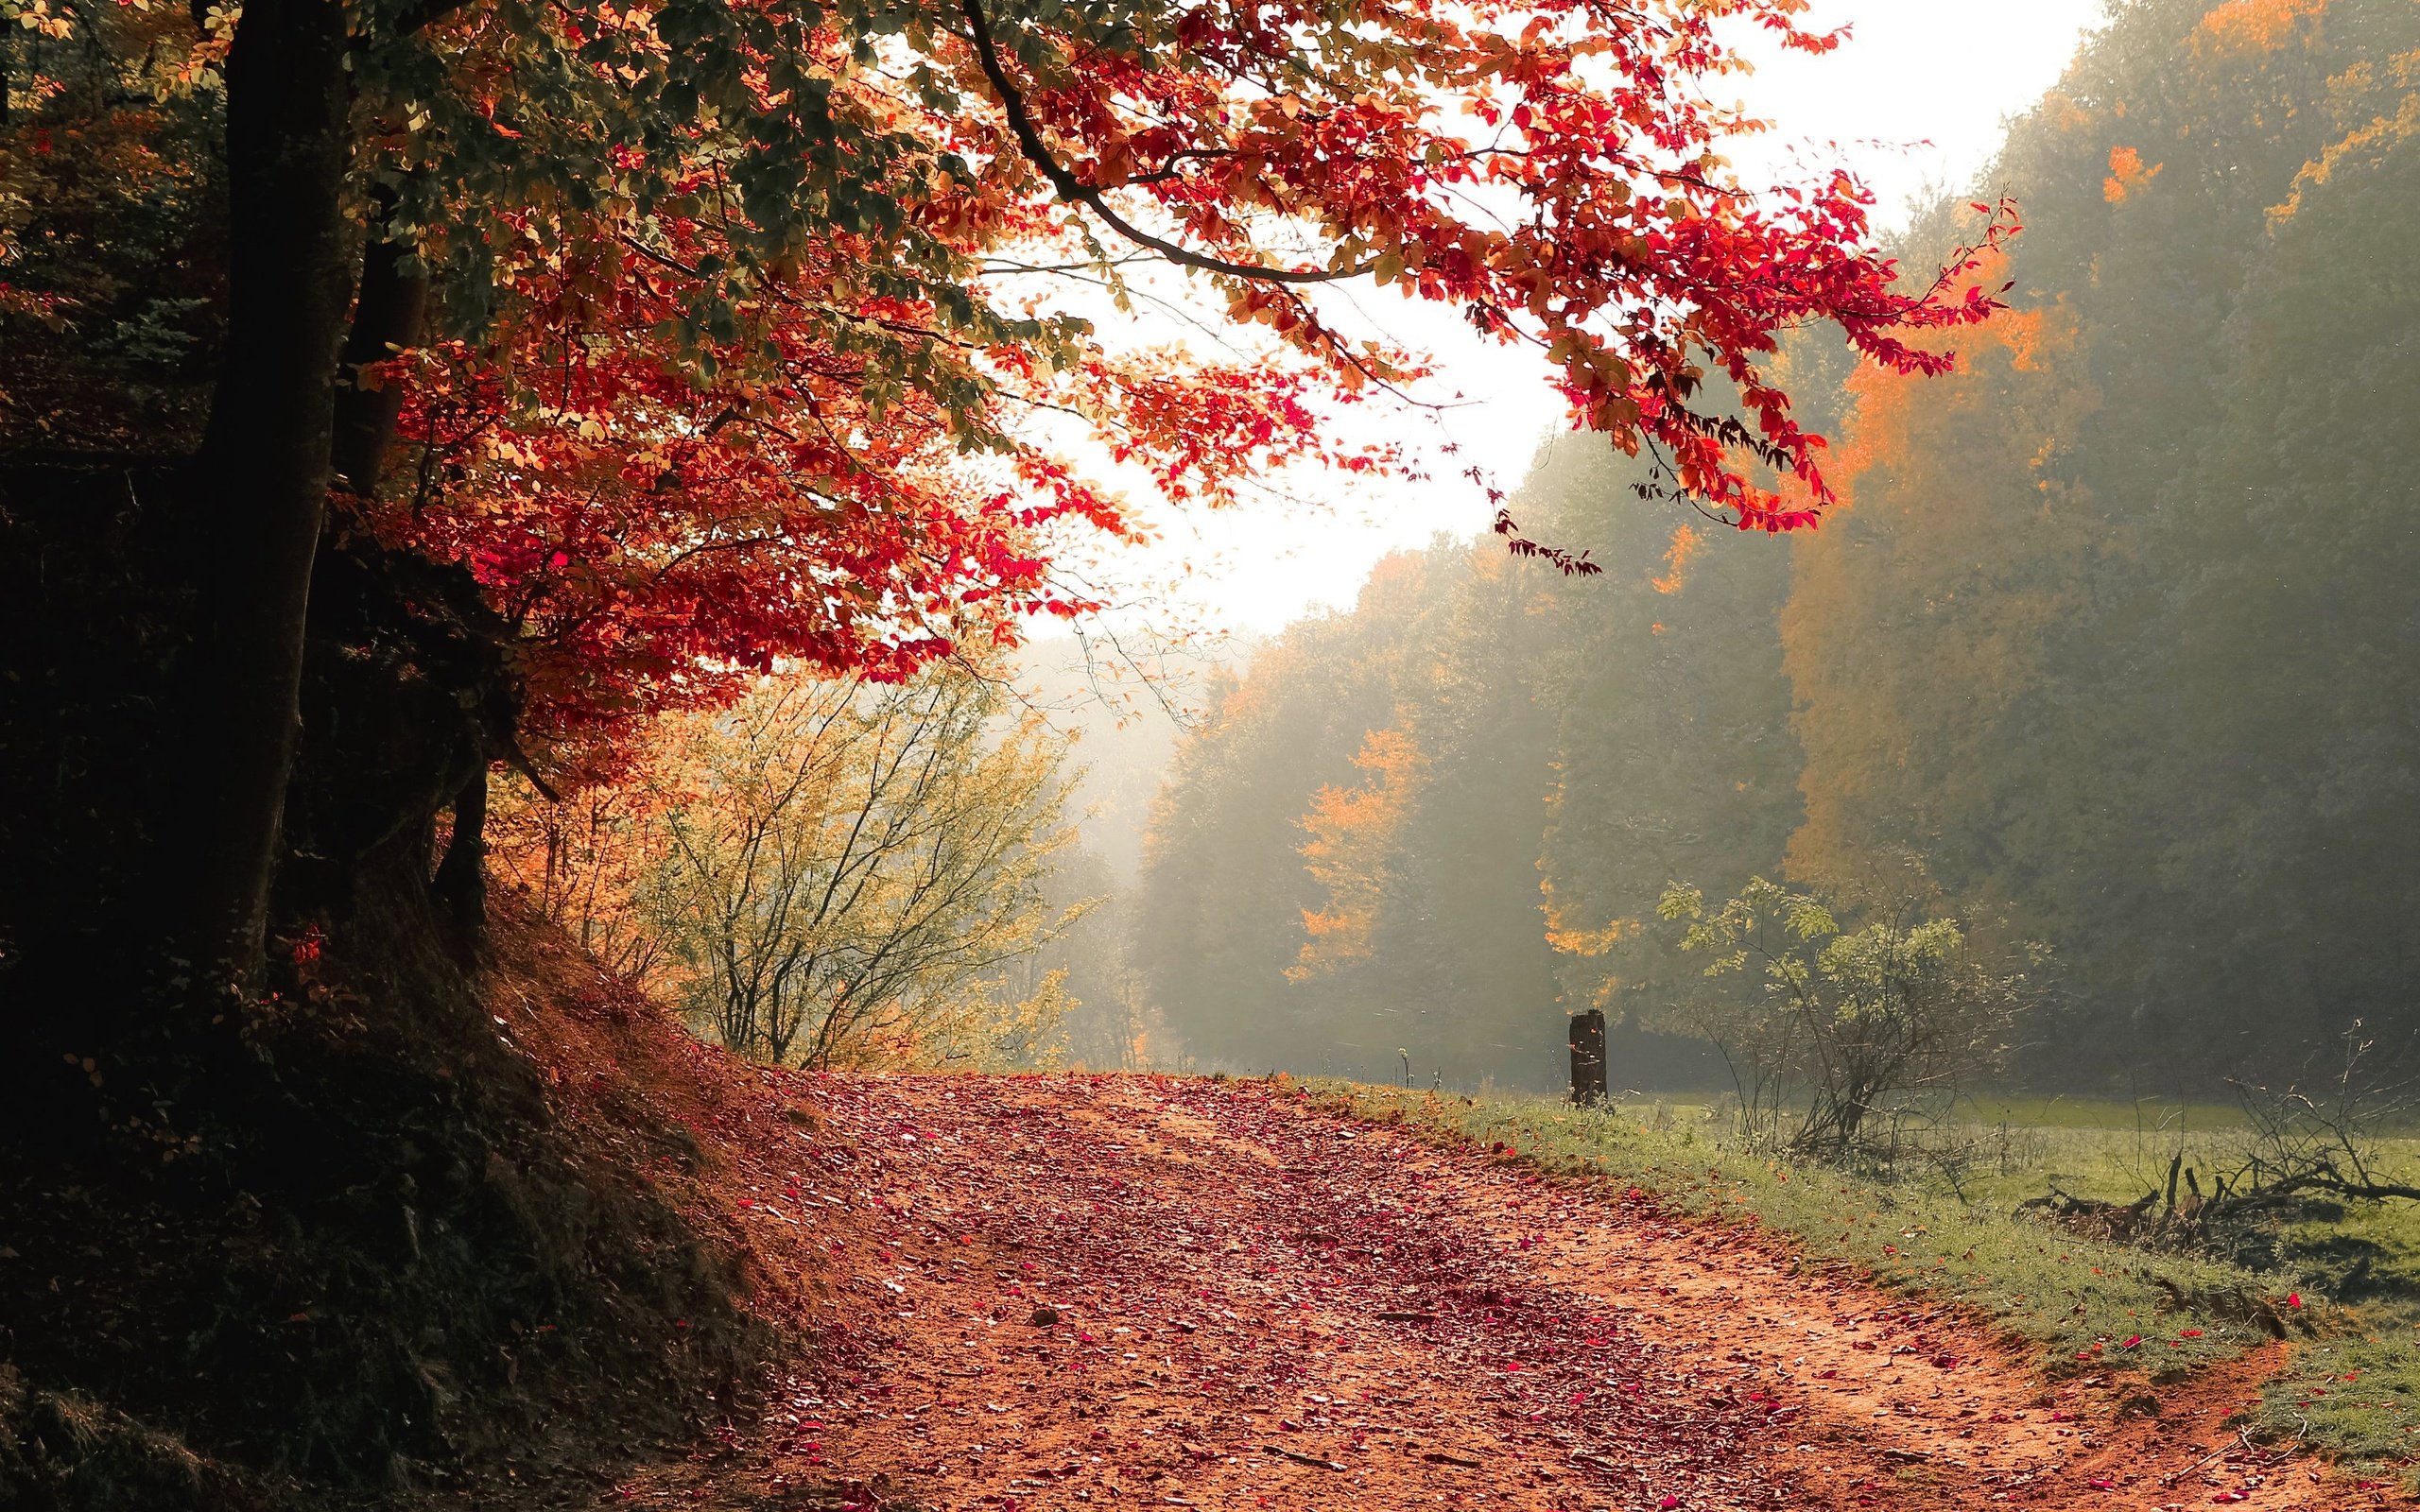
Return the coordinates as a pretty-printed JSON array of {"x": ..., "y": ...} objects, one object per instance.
[{"x": 2114, "y": 645}]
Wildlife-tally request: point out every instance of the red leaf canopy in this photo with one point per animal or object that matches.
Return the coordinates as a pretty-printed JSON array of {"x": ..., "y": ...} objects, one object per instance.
[{"x": 752, "y": 353}]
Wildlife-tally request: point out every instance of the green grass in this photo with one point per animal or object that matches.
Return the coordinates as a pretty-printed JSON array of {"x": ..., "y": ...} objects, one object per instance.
[
  {"x": 2107, "y": 1113},
  {"x": 2076, "y": 1301}
]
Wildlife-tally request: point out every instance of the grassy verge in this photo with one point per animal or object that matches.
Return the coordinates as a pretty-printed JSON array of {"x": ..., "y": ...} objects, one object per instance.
[{"x": 2354, "y": 1386}]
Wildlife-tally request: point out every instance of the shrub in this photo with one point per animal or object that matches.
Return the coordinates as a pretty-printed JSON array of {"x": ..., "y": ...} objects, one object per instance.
[{"x": 1833, "y": 1035}]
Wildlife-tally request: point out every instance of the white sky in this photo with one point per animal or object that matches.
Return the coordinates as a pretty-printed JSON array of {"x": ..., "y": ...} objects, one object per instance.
[{"x": 1916, "y": 99}]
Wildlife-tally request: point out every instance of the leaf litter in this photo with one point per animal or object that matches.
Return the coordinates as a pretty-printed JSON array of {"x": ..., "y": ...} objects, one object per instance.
[{"x": 1052, "y": 1292}]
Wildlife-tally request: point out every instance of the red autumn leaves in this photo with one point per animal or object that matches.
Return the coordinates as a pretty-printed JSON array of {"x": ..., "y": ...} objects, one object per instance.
[{"x": 676, "y": 456}]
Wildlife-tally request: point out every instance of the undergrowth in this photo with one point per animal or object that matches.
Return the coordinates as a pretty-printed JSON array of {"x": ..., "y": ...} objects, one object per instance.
[
  {"x": 2081, "y": 1304},
  {"x": 479, "y": 1244}
]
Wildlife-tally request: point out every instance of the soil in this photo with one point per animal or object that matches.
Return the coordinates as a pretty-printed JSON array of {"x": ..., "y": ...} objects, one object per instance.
[
  {"x": 1052, "y": 1292},
  {"x": 473, "y": 1246}
]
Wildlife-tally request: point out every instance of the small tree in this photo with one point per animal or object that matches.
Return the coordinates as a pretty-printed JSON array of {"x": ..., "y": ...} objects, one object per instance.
[
  {"x": 848, "y": 865},
  {"x": 1845, "y": 1028},
  {"x": 593, "y": 862}
]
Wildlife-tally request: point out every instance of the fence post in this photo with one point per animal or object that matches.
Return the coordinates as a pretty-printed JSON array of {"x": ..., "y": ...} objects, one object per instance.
[{"x": 1588, "y": 1057}]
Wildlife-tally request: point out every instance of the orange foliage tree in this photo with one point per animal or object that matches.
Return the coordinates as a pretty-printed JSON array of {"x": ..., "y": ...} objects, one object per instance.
[
  {"x": 1971, "y": 484},
  {"x": 1351, "y": 829}
]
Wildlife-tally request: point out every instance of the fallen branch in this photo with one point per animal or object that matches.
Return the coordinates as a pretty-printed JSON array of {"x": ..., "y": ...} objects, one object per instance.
[
  {"x": 2332, "y": 1184},
  {"x": 2240, "y": 1434},
  {"x": 2107, "y": 1220},
  {"x": 1312, "y": 1460}
]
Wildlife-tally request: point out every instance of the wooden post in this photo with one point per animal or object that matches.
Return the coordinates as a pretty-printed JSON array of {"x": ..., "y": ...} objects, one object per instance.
[{"x": 1588, "y": 1057}]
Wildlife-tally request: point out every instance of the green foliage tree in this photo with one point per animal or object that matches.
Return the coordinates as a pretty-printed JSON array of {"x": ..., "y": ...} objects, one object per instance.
[
  {"x": 1223, "y": 893},
  {"x": 2112, "y": 634},
  {"x": 1834, "y": 1033},
  {"x": 1671, "y": 748}
]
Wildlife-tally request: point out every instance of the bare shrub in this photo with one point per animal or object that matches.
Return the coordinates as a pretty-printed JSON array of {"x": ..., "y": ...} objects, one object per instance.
[
  {"x": 2319, "y": 1132},
  {"x": 2313, "y": 1137}
]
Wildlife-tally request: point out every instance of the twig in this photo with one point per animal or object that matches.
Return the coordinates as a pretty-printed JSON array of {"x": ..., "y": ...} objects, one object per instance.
[
  {"x": 1074, "y": 190},
  {"x": 1312, "y": 1461},
  {"x": 2240, "y": 1433}
]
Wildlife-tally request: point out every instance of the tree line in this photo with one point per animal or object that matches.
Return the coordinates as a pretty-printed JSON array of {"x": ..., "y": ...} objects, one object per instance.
[{"x": 2110, "y": 648}]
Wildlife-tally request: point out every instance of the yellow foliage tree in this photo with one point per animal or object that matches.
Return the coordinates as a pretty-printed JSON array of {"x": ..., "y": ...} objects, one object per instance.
[{"x": 829, "y": 873}]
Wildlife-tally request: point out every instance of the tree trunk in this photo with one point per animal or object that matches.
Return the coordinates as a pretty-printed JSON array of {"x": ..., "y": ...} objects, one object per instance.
[
  {"x": 386, "y": 322},
  {"x": 262, "y": 475},
  {"x": 462, "y": 880},
  {"x": 1587, "y": 1059}
]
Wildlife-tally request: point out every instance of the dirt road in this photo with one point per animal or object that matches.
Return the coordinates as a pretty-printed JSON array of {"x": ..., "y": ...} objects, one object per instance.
[{"x": 1072, "y": 1291}]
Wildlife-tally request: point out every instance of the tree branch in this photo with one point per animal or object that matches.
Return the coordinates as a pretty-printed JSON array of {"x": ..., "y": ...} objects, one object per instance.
[{"x": 1076, "y": 192}]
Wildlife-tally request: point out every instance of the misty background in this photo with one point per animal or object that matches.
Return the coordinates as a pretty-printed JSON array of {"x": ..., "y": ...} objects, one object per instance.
[{"x": 2110, "y": 654}]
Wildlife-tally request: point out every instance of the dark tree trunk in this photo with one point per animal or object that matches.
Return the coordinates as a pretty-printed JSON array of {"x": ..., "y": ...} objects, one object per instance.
[
  {"x": 386, "y": 322},
  {"x": 462, "y": 880},
  {"x": 1588, "y": 1057},
  {"x": 261, "y": 476}
]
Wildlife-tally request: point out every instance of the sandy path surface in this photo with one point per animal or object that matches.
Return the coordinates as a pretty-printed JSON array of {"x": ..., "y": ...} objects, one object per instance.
[{"x": 1074, "y": 1291}]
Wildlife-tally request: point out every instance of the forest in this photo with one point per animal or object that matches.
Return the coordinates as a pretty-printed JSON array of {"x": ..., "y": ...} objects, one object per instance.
[
  {"x": 2107, "y": 650},
  {"x": 634, "y": 868}
]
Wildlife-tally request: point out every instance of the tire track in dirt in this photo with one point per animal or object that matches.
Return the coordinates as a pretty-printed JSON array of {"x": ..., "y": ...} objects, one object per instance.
[{"x": 1077, "y": 1291}]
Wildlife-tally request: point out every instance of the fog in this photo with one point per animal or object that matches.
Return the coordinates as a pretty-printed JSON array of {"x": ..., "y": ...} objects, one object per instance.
[{"x": 2107, "y": 658}]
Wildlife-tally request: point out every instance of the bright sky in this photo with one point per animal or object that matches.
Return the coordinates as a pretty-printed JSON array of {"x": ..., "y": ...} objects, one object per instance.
[{"x": 1916, "y": 100}]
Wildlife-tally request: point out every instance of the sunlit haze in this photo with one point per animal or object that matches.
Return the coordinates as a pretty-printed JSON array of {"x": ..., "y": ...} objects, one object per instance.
[
  {"x": 1887, "y": 105},
  {"x": 762, "y": 754}
]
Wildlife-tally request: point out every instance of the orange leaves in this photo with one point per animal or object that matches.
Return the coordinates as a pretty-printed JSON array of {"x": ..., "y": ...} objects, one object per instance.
[
  {"x": 2369, "y": 145},
  {"x": 1570, "y": 939},
  {"x": 1204, "y": 431},
  {"x": 1687, "y": 542},
  {"x": 2127, "y": 174},
  {"x": 1351, "y": 831},
  {"x": 2251, "y": 26}
]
